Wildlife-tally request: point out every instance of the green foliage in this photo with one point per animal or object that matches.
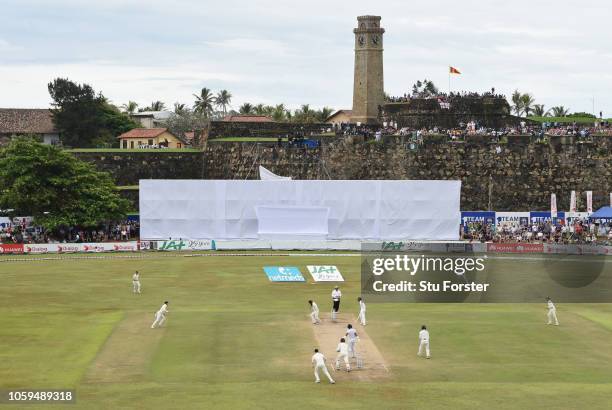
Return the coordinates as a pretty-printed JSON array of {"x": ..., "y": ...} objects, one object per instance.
[
  {"x": 85, "y": 118},
  {"x": 522, "y": 103},
  {"x": 559, "y": 111},
  {"x": 246, "y": 108},
  {"x": 223, "y": 100},
  {"x": 581, "y": 115},
  {"x": 204, "y": 102},
  {"x": 55, "y": 187},
  {"x": 567, "y": 120},
  {"x": 539, "y": 111},
  {"x": 424, "y": 89},
  {"x": 155, "y": 106},
  {"x": 130, "y": 107}
]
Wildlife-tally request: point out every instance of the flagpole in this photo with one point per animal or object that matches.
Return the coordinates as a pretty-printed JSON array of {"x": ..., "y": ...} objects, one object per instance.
[{"x": 449, "y": 89}]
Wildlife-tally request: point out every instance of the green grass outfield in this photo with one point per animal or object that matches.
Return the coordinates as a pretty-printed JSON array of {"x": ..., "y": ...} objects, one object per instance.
[{"x": 234, "y": 340}]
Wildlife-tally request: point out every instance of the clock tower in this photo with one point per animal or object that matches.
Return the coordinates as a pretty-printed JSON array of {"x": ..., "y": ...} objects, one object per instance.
[{"x": 368, "y": 84}]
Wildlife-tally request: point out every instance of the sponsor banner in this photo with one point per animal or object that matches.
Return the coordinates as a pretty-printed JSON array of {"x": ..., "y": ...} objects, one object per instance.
[
  {"x": 80, "y": 247},
  {"x": 41, "y": 248},
  {"x": 573, "y": 207},
  {"x": 571, "y": 217},
  {"x": 511, "y": 218},
  {"x": 476, "y": 247},
  {"x": 478, "y": 216},
  {"x": 123, "y": 246},
  {"x": 553, "y": 205},
  {"x": 327, "y": 273},
  {"x": 11, "y": 248},
  {"x": 577, "y": 249},
  {"x": 147, "y": 245},
  {"x": 515, "y": 247},
  {"x": 544, "y": 216},
  {"x": 5, "y": 222},
  {"x": 589, "y": 195},
  {"x": 69, "y": 247},
  {"x": 283, "y": 274},
  {"x": 186, "y": 245}
]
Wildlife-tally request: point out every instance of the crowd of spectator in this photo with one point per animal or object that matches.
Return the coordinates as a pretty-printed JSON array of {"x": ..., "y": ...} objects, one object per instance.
[
  {"x": 25, "y": 232},
  {"x": 406, "y": 97},
  {"x": 577, "y": 231}
]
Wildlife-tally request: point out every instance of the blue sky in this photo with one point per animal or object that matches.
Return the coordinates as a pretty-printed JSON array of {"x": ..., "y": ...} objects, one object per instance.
[{"x": 302, "y": 52}]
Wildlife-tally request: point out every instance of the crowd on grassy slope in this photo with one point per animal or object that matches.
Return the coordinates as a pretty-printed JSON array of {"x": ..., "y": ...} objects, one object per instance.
[
  {"x": 580, "y": 231},
  {"x": 23, "y": 231}
]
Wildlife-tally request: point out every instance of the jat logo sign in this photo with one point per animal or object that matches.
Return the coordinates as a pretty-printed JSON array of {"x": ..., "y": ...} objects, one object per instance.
[
  {"x": 171, "y": 246},
  {"x": 284, "y": 274},
  {"x": 325, "y": 273}
]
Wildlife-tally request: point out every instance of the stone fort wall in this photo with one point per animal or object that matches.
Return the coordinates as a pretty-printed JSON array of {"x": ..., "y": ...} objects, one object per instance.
[{"x": 516, "y": 176}]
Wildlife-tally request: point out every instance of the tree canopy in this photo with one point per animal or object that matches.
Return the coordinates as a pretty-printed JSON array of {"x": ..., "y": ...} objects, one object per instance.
[
  {"x": 85, "y": 118},
  {"x": 55, "y": 187}
]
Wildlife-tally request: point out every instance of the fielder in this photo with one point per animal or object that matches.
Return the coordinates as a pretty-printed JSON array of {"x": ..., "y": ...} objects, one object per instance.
[
  {"x": 318, "y": 361},
  {"x": 362, "y": 312},
  {"x": 136, "y": 282},
  {"x": 424, "y": 341},
  {"x": 351, "y": 334},
  {"x": 160, "y": 315},
  {"x": 336, "y": 295},
  {"x": 552, "y": 313},
  {"x": 314, "y": 313},
  {"x": 342, "y": 350}
]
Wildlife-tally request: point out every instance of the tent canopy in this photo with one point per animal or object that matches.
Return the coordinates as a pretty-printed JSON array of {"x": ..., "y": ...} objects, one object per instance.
[{"x": 602, "y": 213}]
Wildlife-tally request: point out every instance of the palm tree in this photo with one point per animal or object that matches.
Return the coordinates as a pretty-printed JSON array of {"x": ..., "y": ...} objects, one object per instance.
[
  {"x": 279, "y": 113},
  {"x": 246, "y": 108},
  {"x": 180, "y": 109},
  {"x": 204, "y": 102},
  {"x": 324, "y": 113},
  {"x": 527, "y": 101},
  {"x": 539, "y": 111},
  {"x": 259, "y": 109},
  {"x": 559, "y": 111},
  {"x": 517, "y": 103},
  {"x": 223, "y": 99},
  {"x": 157, "y": 106},
  {"x": 130, "y": 107},
  {"x": 306, "y": 114}
]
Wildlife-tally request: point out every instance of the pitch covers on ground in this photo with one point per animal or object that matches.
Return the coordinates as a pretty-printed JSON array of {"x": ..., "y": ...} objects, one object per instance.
[
  {"x": 325, "y": 273},
  {"x": 284, "y": 274}
]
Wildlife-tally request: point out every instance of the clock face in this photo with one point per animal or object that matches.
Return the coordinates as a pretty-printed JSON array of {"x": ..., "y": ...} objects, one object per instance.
[
  {"x": 375, "y": 39},
  {"x": 361, "y": 40}
]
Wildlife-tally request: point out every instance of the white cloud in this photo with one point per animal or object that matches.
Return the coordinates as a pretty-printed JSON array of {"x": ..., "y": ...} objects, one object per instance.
[{"x": 276, "y": 51}]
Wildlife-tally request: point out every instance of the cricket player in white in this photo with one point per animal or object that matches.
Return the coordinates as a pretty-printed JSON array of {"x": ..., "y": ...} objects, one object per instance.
[
  {"x": 552, "y": 312},
  {"x": 336, "y": 295},
  {"x": 351, "y": 334},
  {"x": 136, "y": 282},
  {"x": 318, "y": 361},
  {"x": 342, "y": 350},
  {"x": 362, "y": 312},
  {"x": 424, "y": 341},
  {"x": 160, "y": 315},
  {"x": 314, "y": 313}
]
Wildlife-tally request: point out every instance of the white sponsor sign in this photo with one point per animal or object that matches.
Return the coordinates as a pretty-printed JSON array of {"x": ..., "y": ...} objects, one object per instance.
[
  {"x": 81, "y": 247},
  {"x": 325, "y": 273},
  {"x": 511, "y": 218},
  {"x": 41, "y": 248},
  {"x": 184, "y": 245}
]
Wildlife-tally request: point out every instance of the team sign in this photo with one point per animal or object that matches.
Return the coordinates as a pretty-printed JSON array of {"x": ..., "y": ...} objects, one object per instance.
[
  {"x": 284, "y": 274},
  {"x": 325, "y": 273}
]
